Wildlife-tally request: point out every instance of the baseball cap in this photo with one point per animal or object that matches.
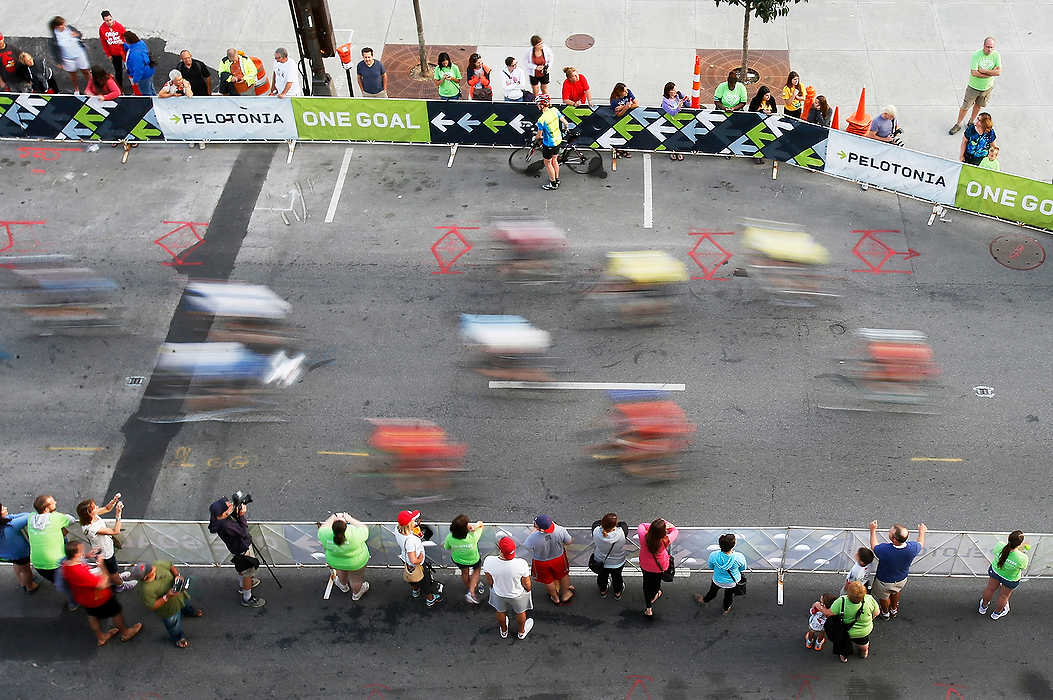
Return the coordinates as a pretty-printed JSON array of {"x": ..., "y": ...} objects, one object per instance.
[
  {"x": 408, "y": 516},
  {"x": 139, "y": 571},
  {"x": 544, "y": 523},
  {"x": 507, "y": 546}
]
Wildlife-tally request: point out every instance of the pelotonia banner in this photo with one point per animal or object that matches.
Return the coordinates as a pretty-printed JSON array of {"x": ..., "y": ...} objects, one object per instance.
[
  {"x": 226, "y": 118},
  {"x": 77, "y": 118},
  {"x": 1005, "y": 196},
  {"x": 361, "y": 119}
]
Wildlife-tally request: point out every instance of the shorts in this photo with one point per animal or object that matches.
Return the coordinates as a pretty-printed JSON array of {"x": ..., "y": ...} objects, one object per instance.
[
  {"x": 977, "y": 97},
  {"x": 519, "y": 604},
  {"x": 1005, "y": 582},
  {"x": 883, "y": 590},
  {"x": 550, "y": 570},
  {"x": 245, "y": 565},
  {"x": 860, "y": 641},
  {"x": 22, "y": 561},
  {"x": 108, "y": 609},
  {"x": 49, "y": 574},
  {"x": 815, "y": 626},
  {"x": 383, "y": 94},
  {"x": 78, "y": 61},
  {"x": 467, "y": 568},
  {"x": 414, "y": 575},
  {"x": 110, "y": 564},
  {"x": 543, "y": 80},
  {"x": 549, "y": 151}
]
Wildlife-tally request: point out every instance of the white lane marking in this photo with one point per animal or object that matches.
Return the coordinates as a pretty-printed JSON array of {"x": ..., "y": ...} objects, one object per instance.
[
  {"x": 653, "y": 386},
  {"x": 330, "y": 214},
  {"x": 648, "y": 210}
]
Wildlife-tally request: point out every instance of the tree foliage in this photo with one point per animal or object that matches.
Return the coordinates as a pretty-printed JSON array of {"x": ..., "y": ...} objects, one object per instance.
[{"x": 764, "y": 10}]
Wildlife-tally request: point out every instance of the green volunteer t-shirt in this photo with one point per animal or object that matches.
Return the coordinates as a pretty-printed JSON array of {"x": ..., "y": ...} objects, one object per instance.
[
  {"x": 865, "y": 624},
  {"x": 466, "y": 551},
  {"x": 447, "y": 88},
  {"x": 352, "y": 554},
  {"x": 730, "y": 97},
  {"x": 47, "y": 546},
  {"x": 983, "y": 61},
  {"x": 1015, "y": 564},
  {"x": 151, "y": 591}
]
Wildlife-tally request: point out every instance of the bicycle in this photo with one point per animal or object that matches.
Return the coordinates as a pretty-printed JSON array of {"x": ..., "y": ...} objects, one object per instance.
[{"x": 582, "y": 160}]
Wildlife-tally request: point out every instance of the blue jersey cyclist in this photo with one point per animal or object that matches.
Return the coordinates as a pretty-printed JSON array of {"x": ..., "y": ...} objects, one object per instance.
[{"x": 550, "y": 134}]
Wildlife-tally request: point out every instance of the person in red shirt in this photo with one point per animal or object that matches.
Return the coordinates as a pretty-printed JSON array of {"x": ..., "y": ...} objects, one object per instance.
[
  {"x": 576, "y": 88},
  {"x": 91, "y": 590},
  {"x": 111, "y": 34},
  {"x": 8, "y": 66}
]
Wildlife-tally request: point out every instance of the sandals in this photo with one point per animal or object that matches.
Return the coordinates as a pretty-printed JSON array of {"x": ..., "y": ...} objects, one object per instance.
[
  {"x": 183, "y": 643},
  {"x": 110, "y": 634},
  {"x": 555, "y": 600},
  {"x": 132, "y": 631},
  {"x": 198, "y": 612}
]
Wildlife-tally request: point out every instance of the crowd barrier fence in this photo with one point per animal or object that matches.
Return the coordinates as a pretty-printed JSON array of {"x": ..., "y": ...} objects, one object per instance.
[{"x": 941, "y": 181}]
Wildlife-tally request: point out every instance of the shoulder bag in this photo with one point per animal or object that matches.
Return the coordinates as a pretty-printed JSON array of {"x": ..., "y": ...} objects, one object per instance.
[
  {"x": 670, "y": 572},
  {"x": 837, "y": 629},
  {"x": 597, "y": 566}
]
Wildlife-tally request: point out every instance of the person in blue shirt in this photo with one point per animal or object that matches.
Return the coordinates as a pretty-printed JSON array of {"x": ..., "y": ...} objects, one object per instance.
[
  {"x": 727, "y": 565},
  {"x": 14, "y": 547},
  {"x": 622, "y": 102},
  {"x": 894, "y": 559},
  {"x": 137, "y": 58},
  {"x": 550, "y": 134}
]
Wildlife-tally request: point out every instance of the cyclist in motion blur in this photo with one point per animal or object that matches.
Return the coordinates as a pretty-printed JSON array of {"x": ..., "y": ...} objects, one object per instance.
[
  {"x": 650, "y": 433},
  {"x": 421, "y": 456},
  {"x": 550, "y": 134}
]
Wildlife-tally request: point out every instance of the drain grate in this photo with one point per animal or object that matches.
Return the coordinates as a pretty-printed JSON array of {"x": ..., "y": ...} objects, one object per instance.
[
  {"x": 134, "y": 381},
  {"x": 580, "y": 42},
  {"x": 1018, "y": 252}
]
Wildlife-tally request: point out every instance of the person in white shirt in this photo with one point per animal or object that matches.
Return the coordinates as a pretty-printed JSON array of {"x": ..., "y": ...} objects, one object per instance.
[
  {"x": 284, "y": 79},
  {"x": 411, "y": 547},
  {"x": 515, "y": 80},
  {"x": 177, "y": 86},
  {"x": 860, "y": 571},
  {"x": 509, "y": 581}
]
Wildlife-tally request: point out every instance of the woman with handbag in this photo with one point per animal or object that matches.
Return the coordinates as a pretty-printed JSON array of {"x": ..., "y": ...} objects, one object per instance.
[
  {"x": 608, "y": 556},
  {"x": 655, "y": 561},
  {"x": 853, "y": 613},
  {"x": 478, "y": 76},
  {"x": 727, "y": 565}
]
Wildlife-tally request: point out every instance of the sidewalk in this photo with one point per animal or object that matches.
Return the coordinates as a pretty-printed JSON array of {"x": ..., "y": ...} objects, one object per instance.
[{"x": 912, "y": 53}]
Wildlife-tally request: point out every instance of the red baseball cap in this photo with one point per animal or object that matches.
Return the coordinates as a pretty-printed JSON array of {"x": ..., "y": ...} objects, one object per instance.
[
  {"x": 408, "y": 516},
  {"x": 507, "y": 546}
]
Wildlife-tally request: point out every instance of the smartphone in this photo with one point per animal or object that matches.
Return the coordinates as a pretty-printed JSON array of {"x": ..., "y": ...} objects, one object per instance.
[{"x": 679, "y": 94}]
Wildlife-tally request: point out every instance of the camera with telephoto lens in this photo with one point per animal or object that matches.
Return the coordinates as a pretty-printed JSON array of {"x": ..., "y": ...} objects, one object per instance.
[{"x": 240, "y": 498}]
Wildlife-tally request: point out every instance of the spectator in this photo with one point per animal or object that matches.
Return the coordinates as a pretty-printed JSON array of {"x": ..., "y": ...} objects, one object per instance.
[
  {"x": 815, "y": 637},
  {"x": 727, "y": 565},
  {"x": 237, "y": 73},
  {"x": 232, "y": 526},
  {"x": 67, "y": 48},
  {"x": 894, "y": 558},
  {"x": 858, "y": 606},
  {"x": 991, "y": 161},
  {"x": 860, "y": 571},
  {"x": 622, "y": 100},
  {"x": 514, "y": 80},
  {"x": 820, "y": 113},
  {"x": 984, "y": 67},
  {"x": 176, "y": 86},
  {"x": 884, "y": 128},
  {"x": 37, "y": 75},
  {"x": 672, "y": 102},
  {"x": 977, "y": 140},
  {"x": 509, "y": 581},
  {"x": 538, "y": 59},
  {"x": 608, "y": 552},
  {"x": 1008, "y": 564},
  {"x": 576, "y": 88},
  {"x": 731, "y": 94},
  {"x": 111, "y": 36},
  {"x": 447, "y": 78},
  {"x": 14, "y": 548},
  {"x": 792, "y": 95},
  {"x": 101, "y": 538},
  {"x": 92, "y": 592},
  {"x": 9, "y": 78},
  {"x": 285, "y": 81},
  {"x": 550, "y": 566},
  {"x": 655, "y": 539},
  {"x": 477, "y": 75},
  {"x": 195, "y": 72},
  {"x": 463, "y": 543},
  {"x": 415, "y": 572},
  {"x": 102, "y": 84},
  {"x": 372, "y": 77},
  {"x": 47, "y": 531},
  {"x": 763, "y": 102},
  {"x": 140, "y": 65},
  {"x": 157, "y": 589},
  {"x": 344, "y": 539}
]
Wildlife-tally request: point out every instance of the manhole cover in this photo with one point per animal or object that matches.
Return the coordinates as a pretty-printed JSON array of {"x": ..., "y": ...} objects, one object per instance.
[
  {"x": 580, "y": 42},
  {"x": 1018, "y": 252}
]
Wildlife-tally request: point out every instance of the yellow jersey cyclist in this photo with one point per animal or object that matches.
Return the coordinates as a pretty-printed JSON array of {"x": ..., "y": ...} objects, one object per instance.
[{"x": 551, "y": 136}]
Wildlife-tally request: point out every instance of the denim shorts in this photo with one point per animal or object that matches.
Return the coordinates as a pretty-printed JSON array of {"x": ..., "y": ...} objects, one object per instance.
[{"x": 1005, "y": 582}]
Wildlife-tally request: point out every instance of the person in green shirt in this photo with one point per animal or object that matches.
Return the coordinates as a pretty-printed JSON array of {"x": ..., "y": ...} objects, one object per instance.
[
  {"x": 46, "y": 530},
  {"x": 984, "y": 67},
  {"x": 447, "y": 77},
  {"x": 856, "y": 600},
  {"x": 157, "y": 589},
  {"x": 1007, "y": 566},
  {"x": 463, "y": 543},
  {"x": 731, "y": 94},
  {"x": 344, "y": 541},
  {"x": 991, "y": 161}
]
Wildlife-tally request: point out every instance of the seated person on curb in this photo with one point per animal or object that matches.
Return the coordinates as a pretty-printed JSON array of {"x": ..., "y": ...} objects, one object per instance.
[{"x": 885, "y": 128}]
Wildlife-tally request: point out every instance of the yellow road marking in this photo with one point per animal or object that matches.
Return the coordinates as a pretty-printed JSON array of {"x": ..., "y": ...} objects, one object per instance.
[
  {"x": 346, "y": 454},
  {"x": 935, "y": 459},
  {"x": 77, "y": 449}
]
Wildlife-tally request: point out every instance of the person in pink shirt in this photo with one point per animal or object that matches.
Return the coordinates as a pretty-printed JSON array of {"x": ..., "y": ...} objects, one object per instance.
[
  {"x": 102, "y": 84},
  {"x": 111, "y": 36},
  {"x": 654, "y": 558}
]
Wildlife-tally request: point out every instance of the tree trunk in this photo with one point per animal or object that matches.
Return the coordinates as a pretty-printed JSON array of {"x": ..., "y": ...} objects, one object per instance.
[
  {"x": 744, "y": 73},
  {"x": 420, "y": 40}
]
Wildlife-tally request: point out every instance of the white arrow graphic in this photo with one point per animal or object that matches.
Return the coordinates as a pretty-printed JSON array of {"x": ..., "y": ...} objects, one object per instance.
[
  {"x": 518, "y": 123},
  {"x": 466, "y": 122},
  {"x": 440, "y": 123},
  {"x": 643, "y": 114},
  {"x": 610, "y": 139},
  {"x": 777, "y": 125},
  {"x": 660, "y": 128}
]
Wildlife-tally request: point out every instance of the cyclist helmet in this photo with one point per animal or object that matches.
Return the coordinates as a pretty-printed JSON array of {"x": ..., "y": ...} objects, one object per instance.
[{"x": 543, "y": 100}]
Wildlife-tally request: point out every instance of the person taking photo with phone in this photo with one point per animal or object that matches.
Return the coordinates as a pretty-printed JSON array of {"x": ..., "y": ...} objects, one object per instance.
[{"x": 165, "y": 591}]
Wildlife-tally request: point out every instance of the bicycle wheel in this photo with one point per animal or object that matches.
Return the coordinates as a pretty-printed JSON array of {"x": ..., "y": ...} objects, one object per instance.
[
  {"x": 580, "y": 160},
  {"x": 526, "y": 159}
]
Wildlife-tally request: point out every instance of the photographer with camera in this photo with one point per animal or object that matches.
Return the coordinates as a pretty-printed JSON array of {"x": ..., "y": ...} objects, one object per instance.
[
  {"x": 227, "y": 519},
  {"x": 167, "y": 593}
]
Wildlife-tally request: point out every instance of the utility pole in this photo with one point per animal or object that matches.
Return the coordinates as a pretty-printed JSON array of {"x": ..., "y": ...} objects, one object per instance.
[{"x": 314, "y": 39}]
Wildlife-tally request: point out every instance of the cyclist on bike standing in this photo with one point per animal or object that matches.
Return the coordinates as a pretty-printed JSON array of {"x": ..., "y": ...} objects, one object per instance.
[{"x": 551, "y": 136}]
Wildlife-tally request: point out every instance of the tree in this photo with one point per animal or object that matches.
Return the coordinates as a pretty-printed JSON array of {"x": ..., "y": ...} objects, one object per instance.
[
  {"x": 420, "y": 40},
  {"x": 764, "y": 10}
]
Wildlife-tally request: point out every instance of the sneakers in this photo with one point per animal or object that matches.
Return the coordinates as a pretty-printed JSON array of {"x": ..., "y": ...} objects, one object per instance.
[
  {"x": 999, "y": 615},
  {"x": 603, "y": 593},
  {"x": 529, "y": 625},
  {"x": 819, "y": 644},
  {"x": 471, "y": 598},
  {"x": 550, "y": 186},
  {"x": 954, "y": 129},
  {"x": 415, "y": 592},
  {"x": 343, "y": 588},
  {"x": 433, "y": 600},
  {"x": 503, "y": 633},
  {"x": 886, "y": 616},
  {"x": 893, "y": 612},
  {"x": 361, "y": 591},
  {"x": 807, "y": 642},
  {"x": 253, "y": 602},
  {"x": 983, "y": 608}
]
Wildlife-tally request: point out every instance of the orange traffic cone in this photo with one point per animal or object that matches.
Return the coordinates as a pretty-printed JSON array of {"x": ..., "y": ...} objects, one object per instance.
[
  {"x": 696, "y": 84},
  {"x": 860, "y": 121},
  {"x": 836, "y": 123},
  {"x": 809, "y": 97}
]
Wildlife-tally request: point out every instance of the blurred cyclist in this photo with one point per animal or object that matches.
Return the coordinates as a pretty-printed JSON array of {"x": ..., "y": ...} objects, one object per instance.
[{"x": 550, "y": 134}]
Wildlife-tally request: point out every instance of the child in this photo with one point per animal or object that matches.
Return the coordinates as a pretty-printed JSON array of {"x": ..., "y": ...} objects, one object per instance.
[
  {"x": 816, "y": 635},
  {"x": 859, "y": 571},
  {"x": 991, "y": 161}
]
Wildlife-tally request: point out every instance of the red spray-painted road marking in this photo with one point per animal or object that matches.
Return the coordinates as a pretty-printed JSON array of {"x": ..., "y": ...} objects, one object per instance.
[
  {"x": 452, "y": 243},
  {"x": 870, "y": 248},
  {"x": 639, "y": 681},
  {"x": 376, "y": 690},
  {"x": 187, "y": 230},
  {"x": 806, "y": 684},
  {"x": 38, "y": 171},
  {"x": 43, "y": 152},
  {"x": 719, "y": 258},
  {"x": 951, "y": 688},
  {"x": 10, "y": 236}
]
